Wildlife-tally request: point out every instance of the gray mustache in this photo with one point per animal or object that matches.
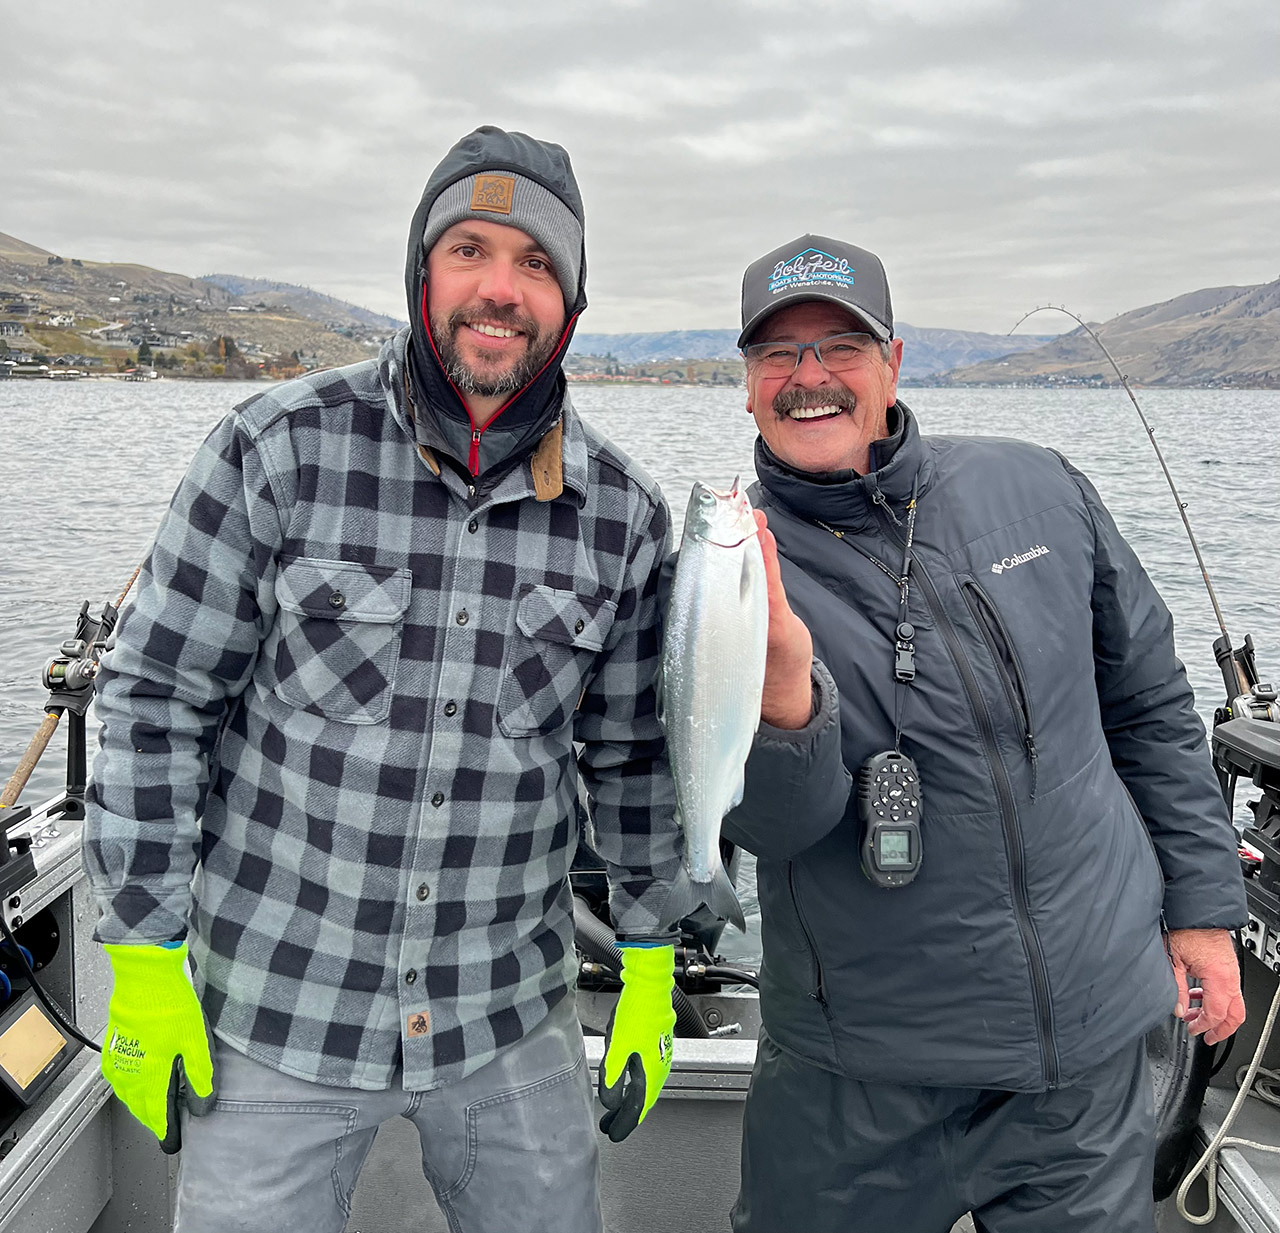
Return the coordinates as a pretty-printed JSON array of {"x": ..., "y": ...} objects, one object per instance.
[{"x": 834, "y": 396}]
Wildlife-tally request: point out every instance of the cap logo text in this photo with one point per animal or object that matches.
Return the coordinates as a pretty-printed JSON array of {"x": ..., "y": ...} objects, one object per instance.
[
  {"x": 811, "y": 268},
  {"x": 494, "y": 193},
  {"x": 1019, "y": 558}
]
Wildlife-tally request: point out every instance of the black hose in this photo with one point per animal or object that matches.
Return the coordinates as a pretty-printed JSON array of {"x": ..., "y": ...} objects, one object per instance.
[
  {"x": 727, "y": 974},
  {"x": 598, "y": 941}
]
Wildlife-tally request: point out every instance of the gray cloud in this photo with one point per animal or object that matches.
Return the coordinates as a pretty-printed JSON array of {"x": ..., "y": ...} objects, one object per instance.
[{"x": 996, "y": 153}]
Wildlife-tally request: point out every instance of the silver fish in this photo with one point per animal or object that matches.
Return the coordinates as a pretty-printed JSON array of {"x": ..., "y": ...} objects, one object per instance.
[{"x": 712, "y": 678}]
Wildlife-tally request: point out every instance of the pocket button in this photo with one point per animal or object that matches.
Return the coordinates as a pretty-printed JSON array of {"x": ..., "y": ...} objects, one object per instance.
[{"x": 337, "y": 600}]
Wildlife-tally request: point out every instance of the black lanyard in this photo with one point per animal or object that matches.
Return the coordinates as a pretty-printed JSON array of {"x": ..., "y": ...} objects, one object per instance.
[{"x": 904, "y": 649}]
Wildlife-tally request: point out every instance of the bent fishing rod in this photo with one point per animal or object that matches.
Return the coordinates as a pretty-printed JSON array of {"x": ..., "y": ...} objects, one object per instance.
[
  {"x": 1246, "y": 699},
  {"x": 1239, "y": 672}
]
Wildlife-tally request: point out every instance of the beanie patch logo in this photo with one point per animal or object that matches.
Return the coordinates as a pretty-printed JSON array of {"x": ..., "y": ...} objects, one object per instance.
[
  {"x": 495, "y": 194},
  {"x": 812, "y": 267}
]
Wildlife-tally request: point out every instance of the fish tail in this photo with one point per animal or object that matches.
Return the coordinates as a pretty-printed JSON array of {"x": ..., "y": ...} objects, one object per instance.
[
  {"x": 723, "y": 900},
  {"x": 687, "y": 896},
  {"x": 682, "y": 899}
]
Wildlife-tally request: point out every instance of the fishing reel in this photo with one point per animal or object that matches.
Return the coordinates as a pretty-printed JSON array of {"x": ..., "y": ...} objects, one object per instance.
[
  {"x": 1258, "y": 703},
  {"x": 69, "y": 677}
]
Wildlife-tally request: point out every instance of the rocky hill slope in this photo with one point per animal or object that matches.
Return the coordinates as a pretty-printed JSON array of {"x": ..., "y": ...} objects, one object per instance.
[
  {"x": 1218, "y": 336},
  {"x": 104, "y": 312}
]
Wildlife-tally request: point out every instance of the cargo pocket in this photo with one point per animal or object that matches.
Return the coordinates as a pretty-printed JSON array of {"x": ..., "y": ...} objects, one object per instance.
[
  {"x": 548, "y": 658},
  {"x": 340, "y": 626}
]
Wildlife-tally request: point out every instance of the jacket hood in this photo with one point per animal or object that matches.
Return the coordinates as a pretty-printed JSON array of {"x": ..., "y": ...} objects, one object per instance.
[
  {"x": 441, "y": 416},
  {"x": 845, "y": 498}
]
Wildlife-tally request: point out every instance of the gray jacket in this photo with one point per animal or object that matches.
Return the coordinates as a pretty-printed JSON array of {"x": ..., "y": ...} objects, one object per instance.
[{"x": 1069, "y": 800}]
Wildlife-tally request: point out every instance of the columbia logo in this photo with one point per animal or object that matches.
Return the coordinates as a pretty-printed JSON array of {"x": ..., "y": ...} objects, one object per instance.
[{"x": 1021, "y": 558}]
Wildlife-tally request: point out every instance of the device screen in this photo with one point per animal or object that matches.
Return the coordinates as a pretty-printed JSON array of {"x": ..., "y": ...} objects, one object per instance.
[
  {"x": 28, "y": 1046},
  {"x": 895, "y": 849}
]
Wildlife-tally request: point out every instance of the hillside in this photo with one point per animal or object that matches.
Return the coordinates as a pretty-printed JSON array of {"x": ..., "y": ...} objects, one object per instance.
[
  {"x": 305, "y": 302},
  {"x": 1215, "y": 336},
  {"x": 925, "y": 351},
  {"x": 98, "y": 315}
]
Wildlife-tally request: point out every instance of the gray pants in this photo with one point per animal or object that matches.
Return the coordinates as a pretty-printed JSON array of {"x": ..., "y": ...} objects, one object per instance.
[
  {"x": 828, "y": 1154},
  {"x": 512, "y": 1146}
]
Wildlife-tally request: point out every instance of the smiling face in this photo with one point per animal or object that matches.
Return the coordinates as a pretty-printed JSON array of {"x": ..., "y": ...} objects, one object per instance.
[
  {"x": 496, "y": 311},
  {"x": 814, "y": 420}
]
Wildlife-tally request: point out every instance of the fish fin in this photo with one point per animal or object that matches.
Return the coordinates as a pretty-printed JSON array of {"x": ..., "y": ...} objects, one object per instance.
[
  {"x": 682, "y": 899},
  {"x": 723, "y": 900}
]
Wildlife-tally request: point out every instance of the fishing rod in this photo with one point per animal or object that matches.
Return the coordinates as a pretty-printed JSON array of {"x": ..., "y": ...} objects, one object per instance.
[
  {"x": 1254, "y": 752},
  {"x": 69, "y": 679},
  {"x": 1239, "y": 671}
]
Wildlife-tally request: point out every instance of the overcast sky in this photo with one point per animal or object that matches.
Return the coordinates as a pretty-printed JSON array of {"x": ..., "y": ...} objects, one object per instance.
[{"x": 997, "y": 154}]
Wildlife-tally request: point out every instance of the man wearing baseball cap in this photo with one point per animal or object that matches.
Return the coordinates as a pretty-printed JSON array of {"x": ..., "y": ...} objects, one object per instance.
[
  {"x": 394, "y": 612},
  {"x": 991, "y": 846}
]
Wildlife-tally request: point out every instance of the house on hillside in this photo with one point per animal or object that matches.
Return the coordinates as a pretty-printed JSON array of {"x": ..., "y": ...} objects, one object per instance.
[{"x": 11, "y": 329}]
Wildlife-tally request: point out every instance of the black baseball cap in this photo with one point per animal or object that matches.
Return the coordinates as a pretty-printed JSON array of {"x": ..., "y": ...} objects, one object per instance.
[{"x": 816, "y": 267}]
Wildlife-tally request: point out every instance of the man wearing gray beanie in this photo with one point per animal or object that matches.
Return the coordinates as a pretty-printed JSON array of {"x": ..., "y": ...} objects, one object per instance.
[{"x": 411, "y": 604}]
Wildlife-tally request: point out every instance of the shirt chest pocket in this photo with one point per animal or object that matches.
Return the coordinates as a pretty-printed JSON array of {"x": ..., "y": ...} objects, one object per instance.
[
  {"x": 549, "y": 658},
  {"x": 339, "y": 631}
]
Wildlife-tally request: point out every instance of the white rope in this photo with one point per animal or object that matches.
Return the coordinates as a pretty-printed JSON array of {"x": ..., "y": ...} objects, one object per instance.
[{"x": 1210, "y": 1158}]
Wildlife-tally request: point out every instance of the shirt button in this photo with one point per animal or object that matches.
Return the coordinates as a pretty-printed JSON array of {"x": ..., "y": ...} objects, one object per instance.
[
  {"x": 423, "y": 891},
  {"x": 438, "y": 799},
  {"x": 462, "y": 618},
  {"x": 473, "y": 526},
  {"x": 410, "y": 976},
  {"x": 579, "y": 626},
  {"x": 337, "y": 600},
  {"x": 450, "y": 709}
]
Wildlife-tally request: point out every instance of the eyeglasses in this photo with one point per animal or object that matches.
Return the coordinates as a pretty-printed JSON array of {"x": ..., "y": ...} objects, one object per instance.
[{"x": 839, "y": 353}]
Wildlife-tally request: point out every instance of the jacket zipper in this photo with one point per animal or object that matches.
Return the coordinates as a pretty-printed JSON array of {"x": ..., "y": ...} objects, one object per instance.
[
  {"x": 1009, "y": 821},
  {"x": 1008, "y": 666},
  {"x": 819, "y": 994}
]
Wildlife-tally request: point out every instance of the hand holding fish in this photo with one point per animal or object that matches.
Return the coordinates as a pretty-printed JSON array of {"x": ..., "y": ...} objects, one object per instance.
[{"x": 787, "y": 700}]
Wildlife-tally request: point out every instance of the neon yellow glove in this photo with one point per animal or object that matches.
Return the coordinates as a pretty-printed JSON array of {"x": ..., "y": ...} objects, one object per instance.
[
  {"x": 637, "y": 1042},
  {"x": 156, "y": 1034}
]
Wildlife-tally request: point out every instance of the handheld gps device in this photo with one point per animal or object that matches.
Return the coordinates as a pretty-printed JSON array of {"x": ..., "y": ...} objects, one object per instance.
[{"x": 889, "y": 805}]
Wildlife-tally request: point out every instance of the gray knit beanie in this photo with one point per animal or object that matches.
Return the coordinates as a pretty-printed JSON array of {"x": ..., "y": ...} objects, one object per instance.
[{"x": 515, "y": 201}]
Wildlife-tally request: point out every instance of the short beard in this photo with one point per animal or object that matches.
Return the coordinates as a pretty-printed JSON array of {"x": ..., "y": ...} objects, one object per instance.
[
  {"x": 539, "y": 347},
  {"x": 831, "y": 396}
]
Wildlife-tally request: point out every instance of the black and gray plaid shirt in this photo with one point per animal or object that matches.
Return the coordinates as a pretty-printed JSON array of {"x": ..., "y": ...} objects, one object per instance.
[{"x": 346, "y": 698}]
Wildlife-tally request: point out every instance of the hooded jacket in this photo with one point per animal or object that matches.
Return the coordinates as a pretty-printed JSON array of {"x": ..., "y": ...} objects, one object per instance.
[
  {"x": 1068, "y": 796},
  {"x": 442, "y": 420}
]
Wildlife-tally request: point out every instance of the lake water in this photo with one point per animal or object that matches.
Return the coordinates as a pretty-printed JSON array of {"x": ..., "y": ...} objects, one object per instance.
[{"x": 88, "y": 468}]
